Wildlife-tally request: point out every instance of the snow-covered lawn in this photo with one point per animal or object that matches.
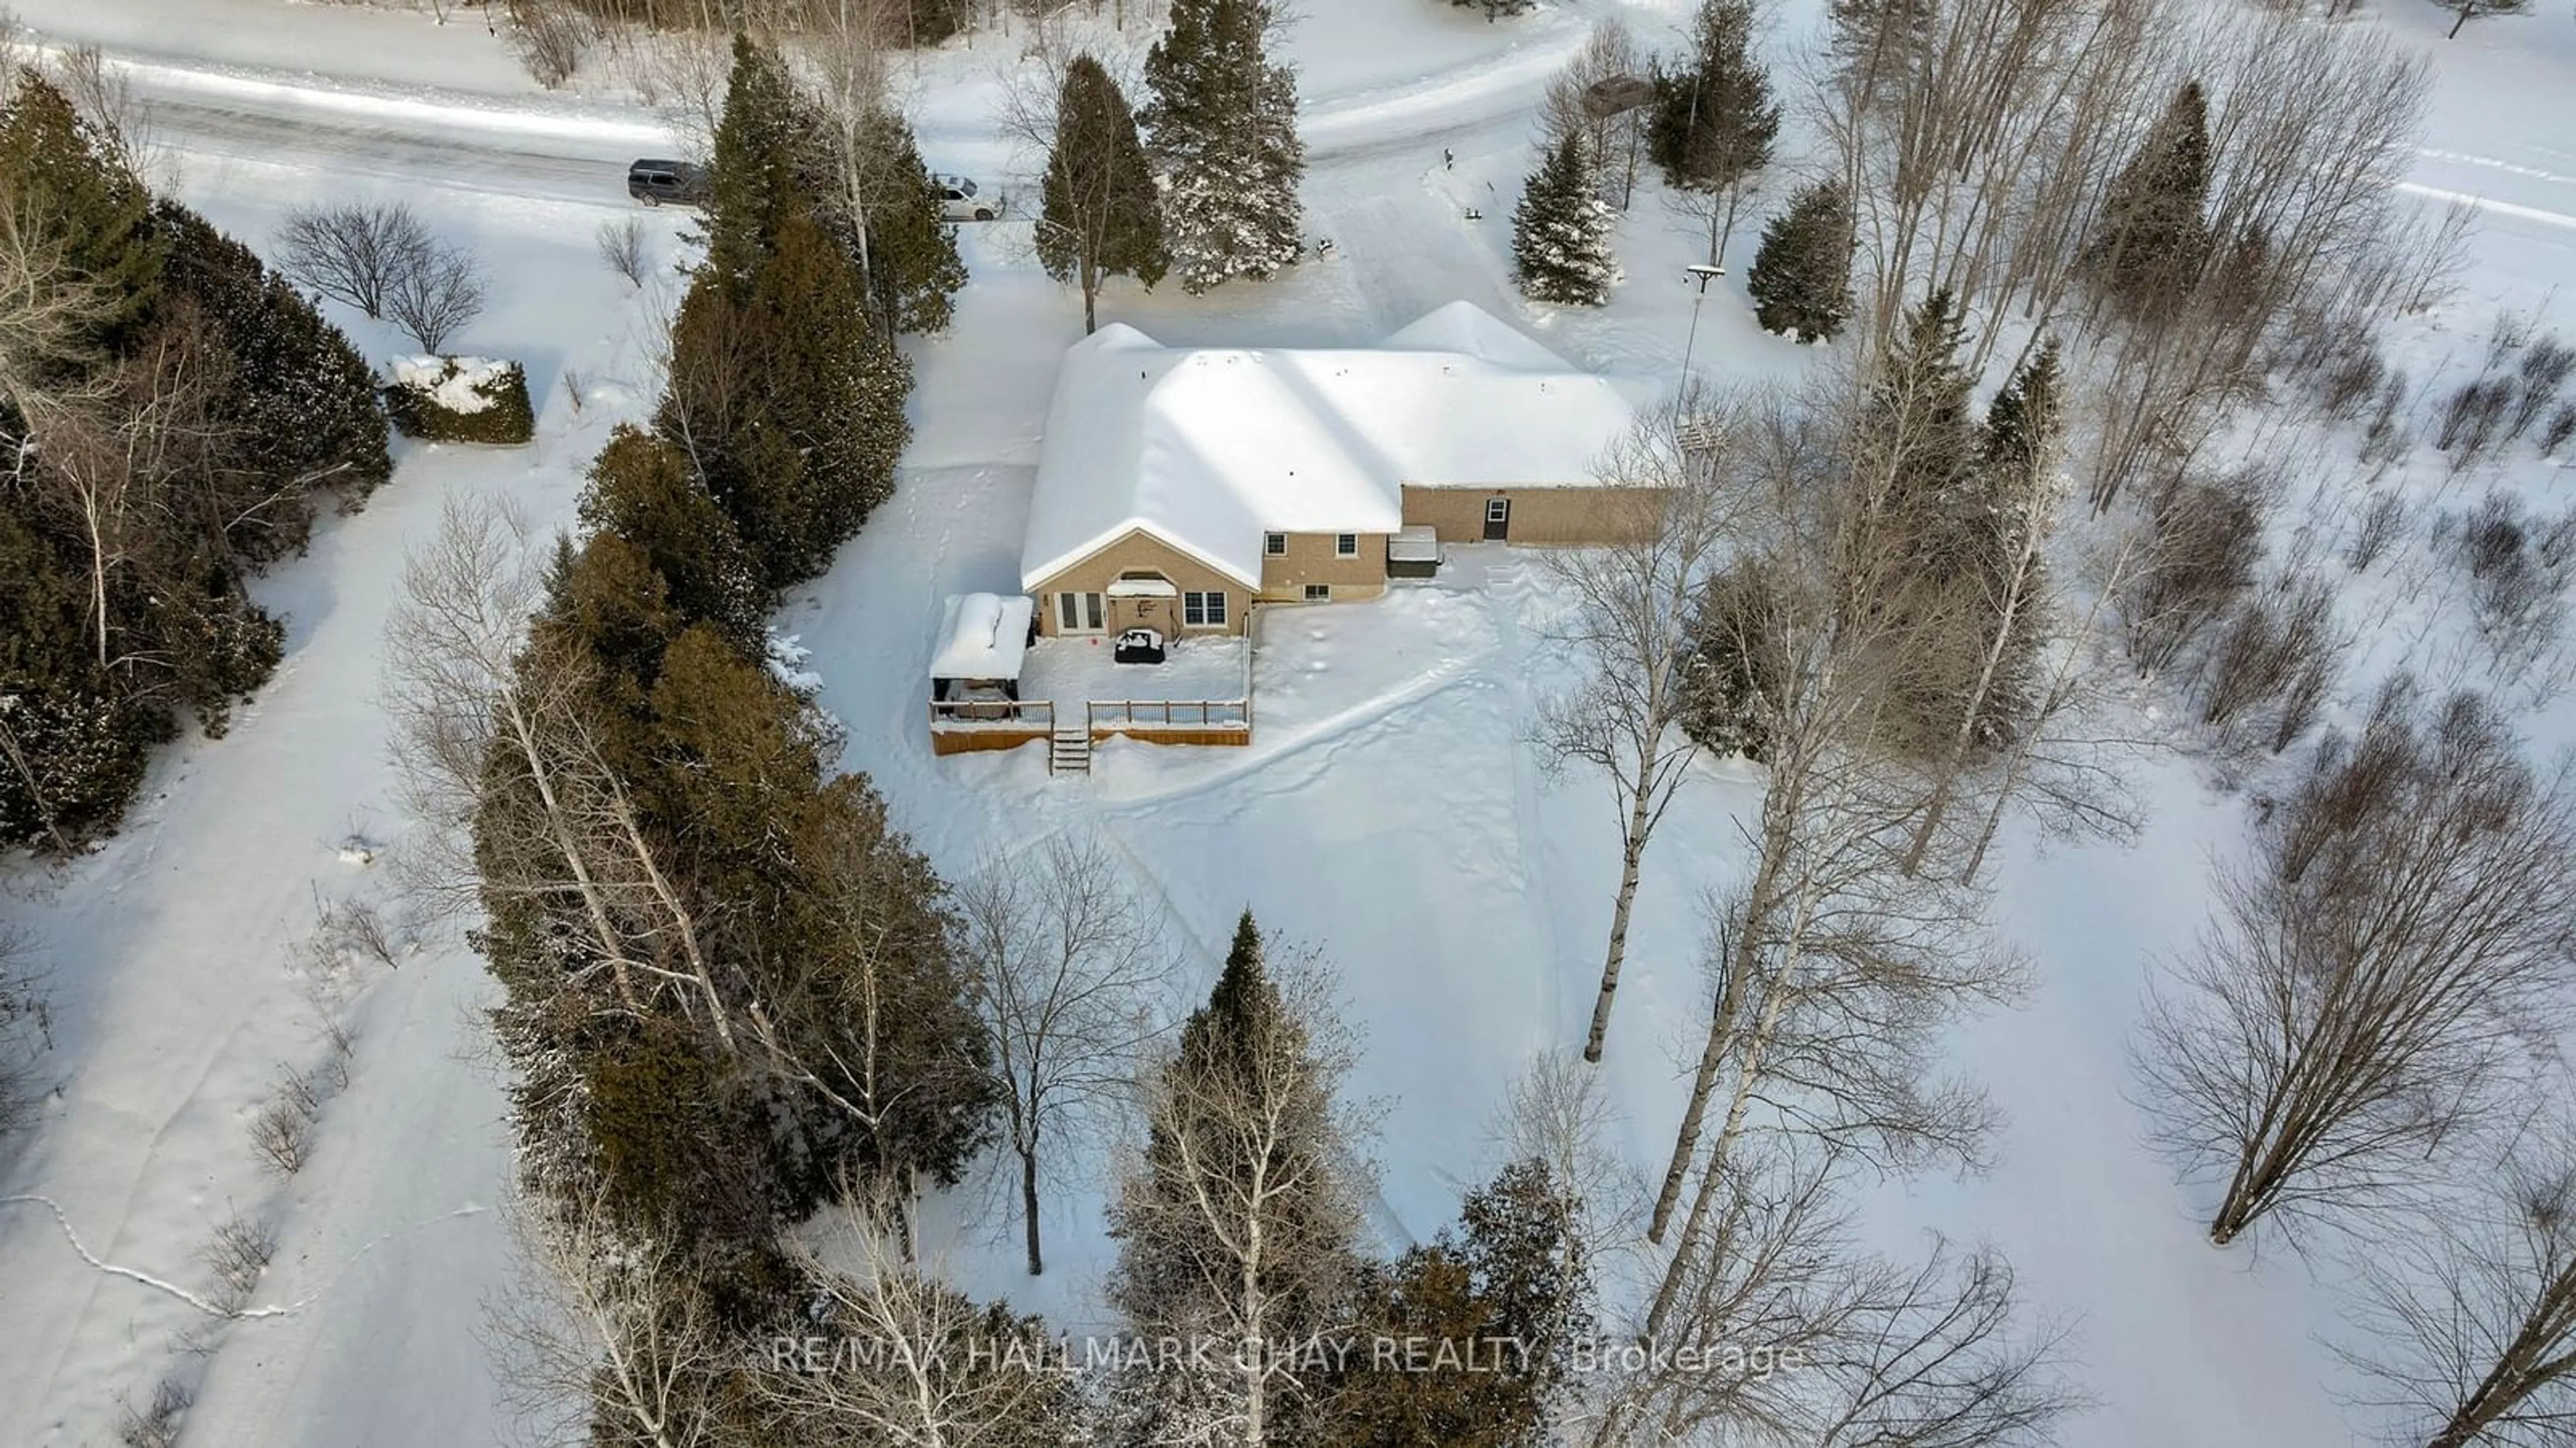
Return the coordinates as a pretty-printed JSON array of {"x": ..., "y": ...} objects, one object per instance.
[{"x": 1389, "y": 809}]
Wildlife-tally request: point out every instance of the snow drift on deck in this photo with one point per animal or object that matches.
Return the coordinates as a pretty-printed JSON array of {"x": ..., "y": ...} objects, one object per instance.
[{"x": 1207, "y": 449}]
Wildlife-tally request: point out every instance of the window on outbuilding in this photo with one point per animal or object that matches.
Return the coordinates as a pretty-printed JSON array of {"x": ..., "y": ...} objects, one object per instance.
[
  {"x": 1203, "y": 610},
  {"x": 1346, "y": 545},
  {"x": 1275, "y": 544}
]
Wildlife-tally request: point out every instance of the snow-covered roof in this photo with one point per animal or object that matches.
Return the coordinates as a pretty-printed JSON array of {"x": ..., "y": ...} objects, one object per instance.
[
  {"x": 982, "y": 636},
  {"x": 1207, "y": 449}
]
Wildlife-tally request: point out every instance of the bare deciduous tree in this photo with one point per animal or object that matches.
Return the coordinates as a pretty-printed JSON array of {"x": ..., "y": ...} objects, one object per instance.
[
  {"x": 1611, "y": 126},
  {"x": 2468, "y": 10},
  {"x": 1066, "y": 968},
  {"x": 927, "y": 1366},
  {"x": 2402, "y": 938},
  {"x": 2471, "y": 1316},
  {"x": 25, "y": 1030},
  {"x": 353, "y": 252},
  {"x": 1828, "y": 940},
  {"x": 1561, "y": 1115},
  {"x": 1237, "y": 1220},
  {"x": 1798, "y": 1337},
  {"x": 621, "y": 246},
  {"x": 1628, "y": 631},
  {"x": 104, "y": 96},
  {"x": 439, "y": 293},
  {"x": 606, "y": 1331},
  {"x": 549, "y": 37}
]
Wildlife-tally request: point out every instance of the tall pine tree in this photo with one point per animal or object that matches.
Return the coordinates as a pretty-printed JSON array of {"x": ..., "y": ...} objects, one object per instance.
[
  {"x": 755, "y": 177},
  {"x": 1240, "y": 1220},
  {"x": 2152, "y": 239},
  {"x": 912, "y": 268},
  {"x": 785, "y": 397},
  {"x": 1919, "y": 435},
  {"x": 1102, "y": 216},
  {"x": 68, "y": 185},
  {"x": 1561, "y": 232},
  {"x": 1713, "y": 124},
  {"x": 1222, "y": 122},
  {"x": 1801, "y": 278}
]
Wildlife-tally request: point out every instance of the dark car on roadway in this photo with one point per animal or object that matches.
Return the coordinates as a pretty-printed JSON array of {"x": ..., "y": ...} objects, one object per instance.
[{"x": 654, "y": 182}]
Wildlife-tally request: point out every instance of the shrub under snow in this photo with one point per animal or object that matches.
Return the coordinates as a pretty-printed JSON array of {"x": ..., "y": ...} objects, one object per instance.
[{"x": 461, "y": 399}]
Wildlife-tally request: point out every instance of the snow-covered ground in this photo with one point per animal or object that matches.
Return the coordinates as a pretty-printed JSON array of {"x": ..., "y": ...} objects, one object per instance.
[{"x": 1389, "y": 810}]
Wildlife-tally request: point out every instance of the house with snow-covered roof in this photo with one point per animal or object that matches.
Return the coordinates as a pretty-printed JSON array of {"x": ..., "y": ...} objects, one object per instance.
[{"x": 1180, "y": 486}]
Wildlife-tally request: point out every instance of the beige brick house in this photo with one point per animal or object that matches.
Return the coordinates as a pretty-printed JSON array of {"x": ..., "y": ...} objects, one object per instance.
[{"x": 1181, "y": 486}]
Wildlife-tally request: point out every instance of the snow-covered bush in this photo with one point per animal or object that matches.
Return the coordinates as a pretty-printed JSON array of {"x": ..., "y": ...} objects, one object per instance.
[{"x": 461, "y": 399}]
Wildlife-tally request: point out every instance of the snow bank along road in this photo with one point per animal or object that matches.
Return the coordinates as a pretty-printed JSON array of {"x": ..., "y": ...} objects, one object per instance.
[{"x": 571, "y": 151}]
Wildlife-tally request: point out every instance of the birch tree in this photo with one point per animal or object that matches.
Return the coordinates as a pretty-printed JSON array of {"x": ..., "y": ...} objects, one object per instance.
[
  {"x": 606, "y": 1331},
  {"x": 2379, "y": 973},
  {"x": 1236, "y": 1223},
  {"x": 1832, "y": 973},
  {"x": 1800, "y": 1337},
  {"x": 936, "y": 1369},
  {"x": 1628, "y": 633}
]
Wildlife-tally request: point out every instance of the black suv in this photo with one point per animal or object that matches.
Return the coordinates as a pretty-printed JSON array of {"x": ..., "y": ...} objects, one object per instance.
[{"x": 654, "y": 182}]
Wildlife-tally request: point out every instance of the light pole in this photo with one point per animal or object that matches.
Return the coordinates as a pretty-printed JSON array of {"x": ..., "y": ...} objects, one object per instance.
[{"x": 1703, "y": 274}]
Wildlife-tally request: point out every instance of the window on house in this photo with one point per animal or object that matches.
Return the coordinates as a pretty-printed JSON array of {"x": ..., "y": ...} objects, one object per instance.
[
  {"x": 1319, "y": 593},
  {"x": 1203, "y": 610},
  {"x": 1498, "y": 510},
  {"x": 1078, "y": 612},
  {"x": 1275, "y": 544},
  {"x": 1346, "y": 545}
]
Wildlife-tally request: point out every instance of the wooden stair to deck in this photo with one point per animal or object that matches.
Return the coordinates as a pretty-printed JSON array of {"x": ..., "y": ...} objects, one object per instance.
[{"x": 1069, "y": 750}]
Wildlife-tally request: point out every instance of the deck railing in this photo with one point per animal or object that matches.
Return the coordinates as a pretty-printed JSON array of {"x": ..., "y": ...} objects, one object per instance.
[
  {"x": 1144, "y": 716},
  {"x": 969, "y": 713}
]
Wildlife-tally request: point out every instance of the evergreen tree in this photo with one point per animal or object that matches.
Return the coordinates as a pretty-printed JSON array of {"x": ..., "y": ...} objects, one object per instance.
[
  {"x": 298, "y": 409},
  {"x": 1501, "y": 1295},
  {"x": 1223, "y": 126},
  {"x": 790, "y": 404},
  {"x": 1240, "y": 1220},
  {"x": 72, "y": 749},
  {"x": 69, "y": 184},
  {"x": 2023, "y": 421},
  {"x": 911, "y": 264},
  {"x": 1561, "y": 232},
  {"x": 754, "y": 181},
  {"x": 1919, "y": 439},
  {"x": 1712, "y": 125},
  {"x": 784, "y": 396},
  {"x": 1102, "y": 215},
  {"x": 1801, "y": 278},
  {"x": 642, "y": 490},
  {"x": 2152, "y": 240},
  {"x": 2009, "y": 529},
  {"x": 1732, "y": 680}
]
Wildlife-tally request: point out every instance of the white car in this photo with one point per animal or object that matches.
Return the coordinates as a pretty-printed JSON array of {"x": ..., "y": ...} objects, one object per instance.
[{"x": 962, "y": 200}]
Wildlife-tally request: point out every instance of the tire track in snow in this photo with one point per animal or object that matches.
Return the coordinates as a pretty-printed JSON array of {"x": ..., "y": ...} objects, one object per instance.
[
  {"x": 1322, "y": 732},
  {"x": 1504, "y": 605},
  {"x": 2493, "y": 163},
  {"x": 2489, "y": 203}
]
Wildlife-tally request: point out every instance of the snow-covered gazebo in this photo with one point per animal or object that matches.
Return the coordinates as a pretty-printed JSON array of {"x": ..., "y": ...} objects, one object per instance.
[{"x": 983, "y": 637}]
